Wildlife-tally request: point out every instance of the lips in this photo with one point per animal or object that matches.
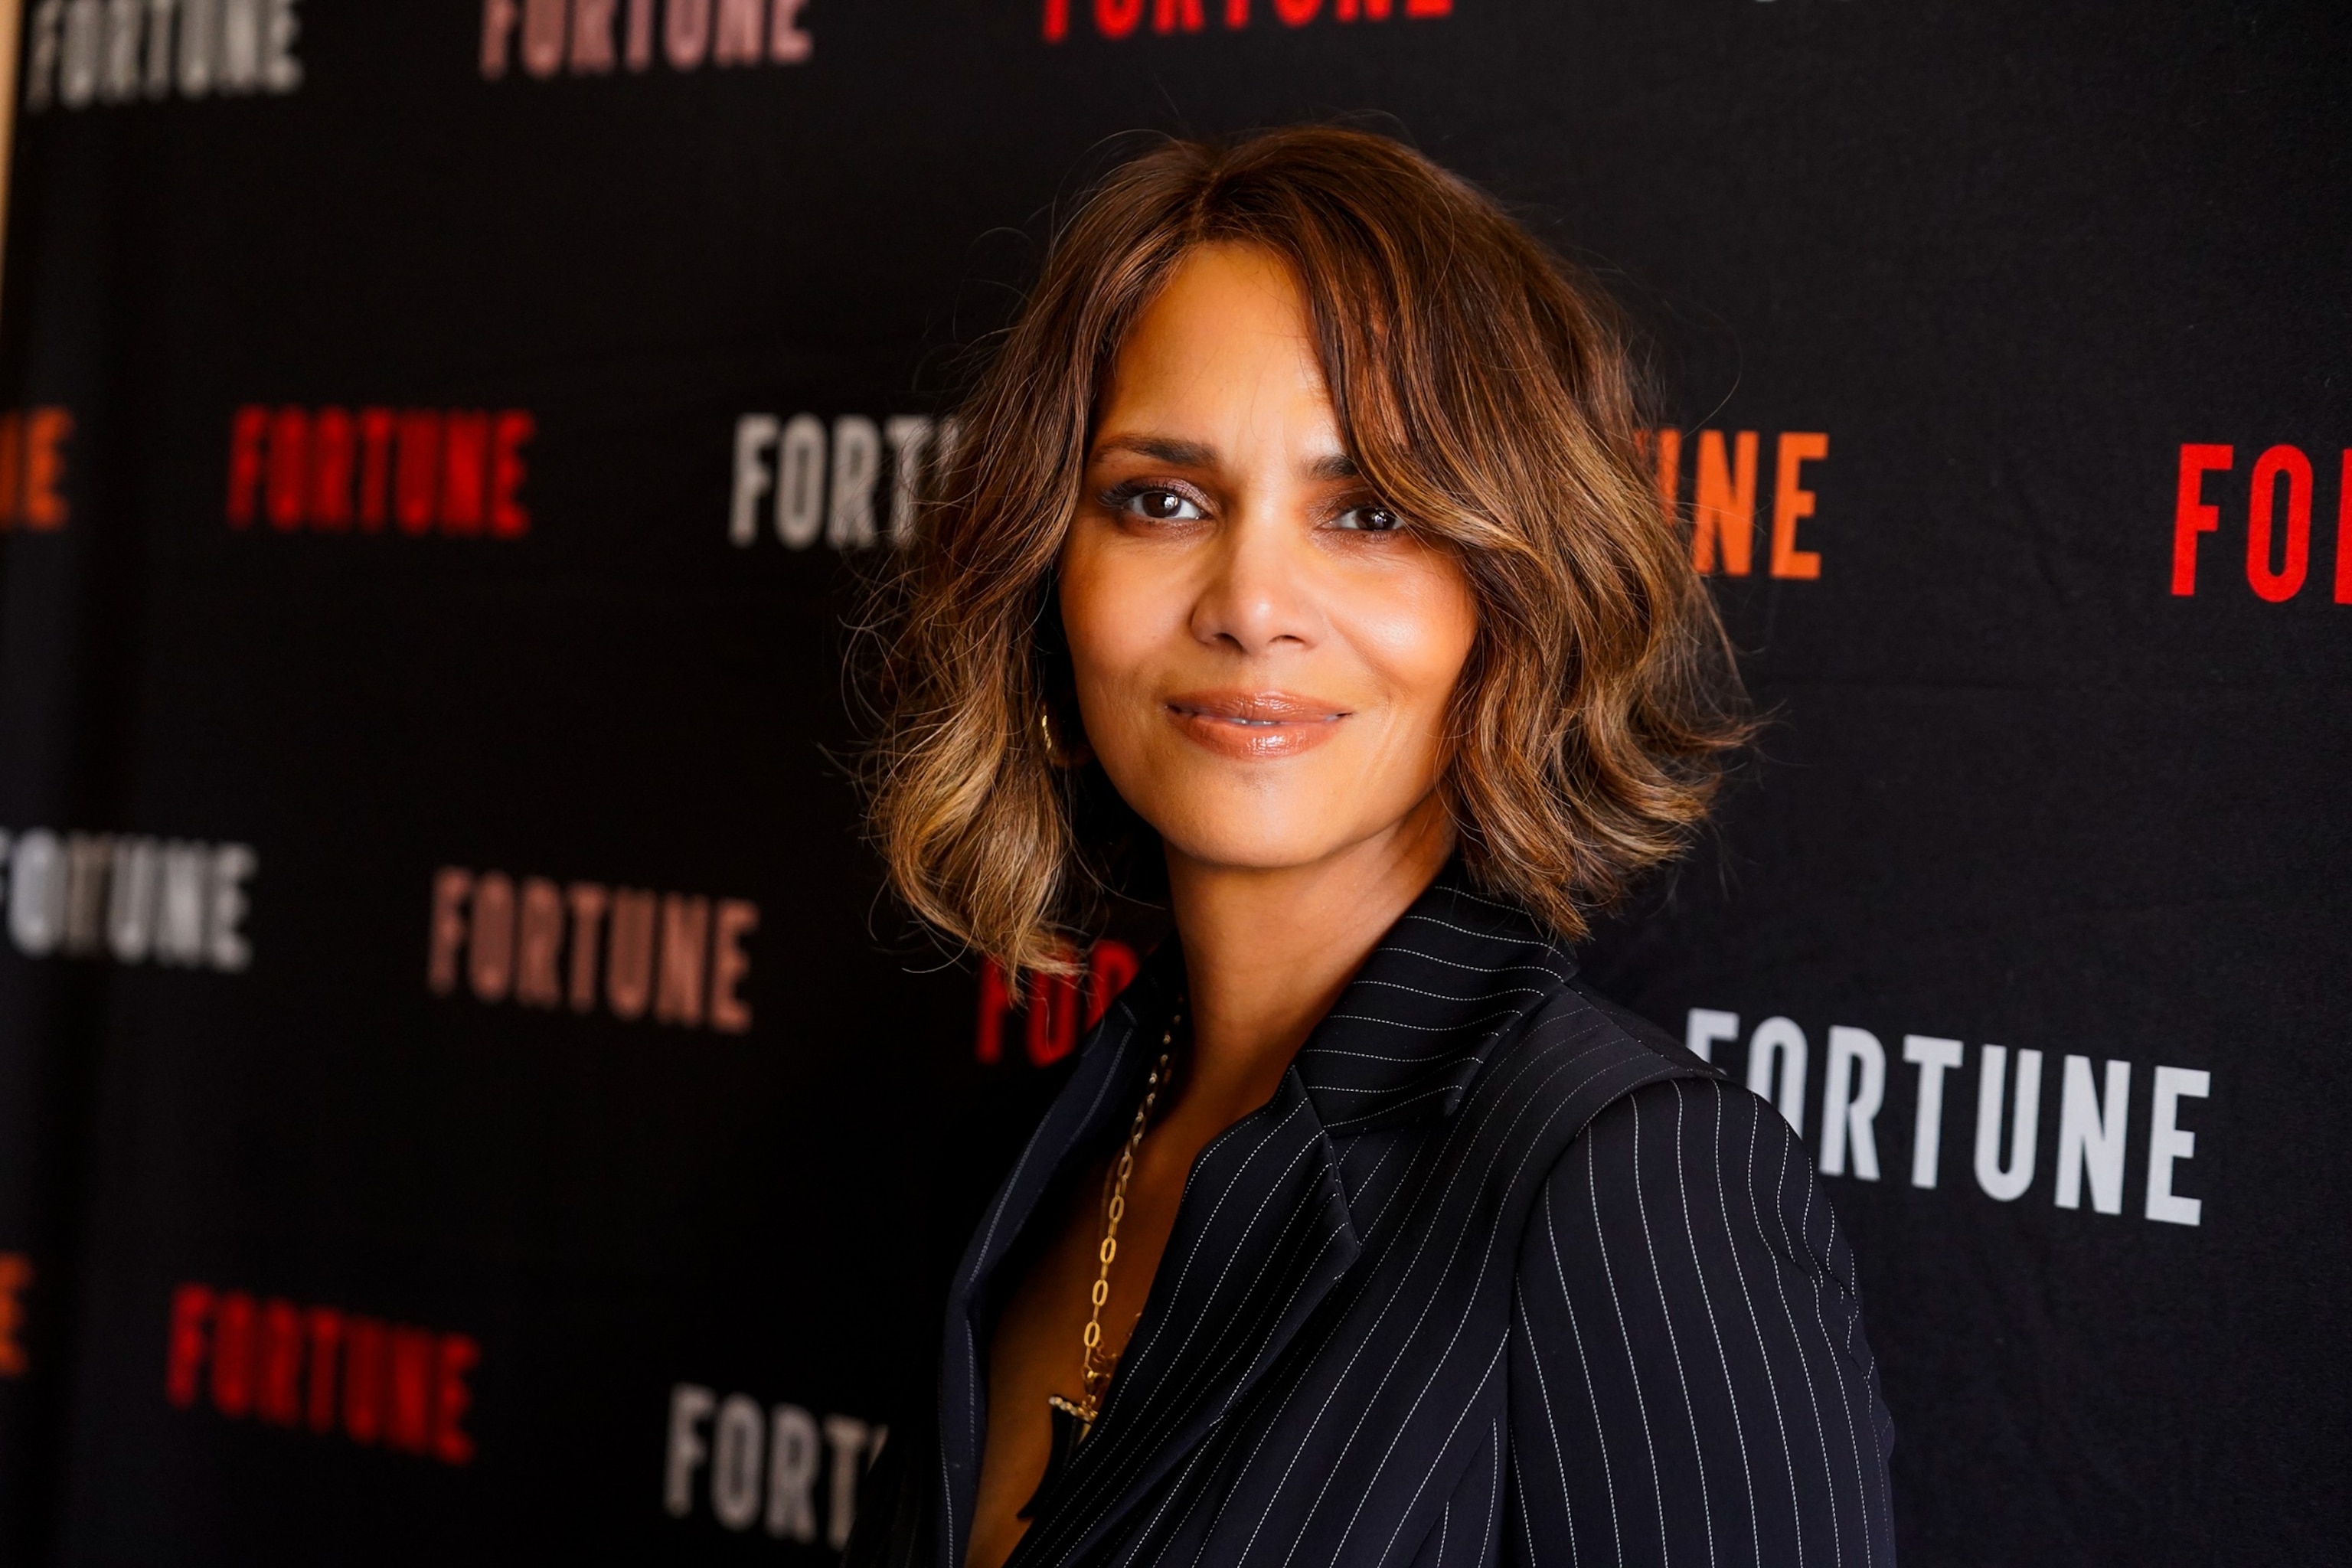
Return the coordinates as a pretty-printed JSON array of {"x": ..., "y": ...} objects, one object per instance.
[{"x": 1254, "y": 726}]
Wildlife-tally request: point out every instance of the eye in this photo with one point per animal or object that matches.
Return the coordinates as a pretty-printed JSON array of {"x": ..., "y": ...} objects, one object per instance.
[
  {"x": 1369, "y": 519},
  {"x": 1156, "y": 502}
]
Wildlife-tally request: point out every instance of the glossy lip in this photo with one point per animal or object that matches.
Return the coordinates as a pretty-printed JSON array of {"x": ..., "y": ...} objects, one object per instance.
[{"x": 1254, "y": 726}]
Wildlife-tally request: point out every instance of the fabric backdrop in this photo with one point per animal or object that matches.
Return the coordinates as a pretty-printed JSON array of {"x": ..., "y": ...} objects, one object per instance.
[{"x": 460, "y": 1092}]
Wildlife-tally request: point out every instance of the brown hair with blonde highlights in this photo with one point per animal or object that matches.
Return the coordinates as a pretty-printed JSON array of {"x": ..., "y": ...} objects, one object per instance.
[{"x": 1487, "y": 394}]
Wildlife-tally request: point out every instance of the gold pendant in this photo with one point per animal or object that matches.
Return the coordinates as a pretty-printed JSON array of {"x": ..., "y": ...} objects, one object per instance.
[
  {"x": 1073, "y": 1409},
  {"x": 1071, "y": 1425}
]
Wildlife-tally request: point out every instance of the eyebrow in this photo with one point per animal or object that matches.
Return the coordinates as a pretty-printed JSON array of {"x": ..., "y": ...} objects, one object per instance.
[
  {"x": 1200, "y": 455},
  {"x": 1162, "y": 450}
]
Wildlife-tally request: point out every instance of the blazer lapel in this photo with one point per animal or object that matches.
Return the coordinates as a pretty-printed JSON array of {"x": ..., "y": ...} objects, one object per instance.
[
  {"x": 1265, "y": 1232},
  {"x": 1101, "y": 1093}
]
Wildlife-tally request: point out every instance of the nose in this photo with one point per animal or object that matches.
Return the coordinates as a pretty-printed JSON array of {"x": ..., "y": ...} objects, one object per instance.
[{"x": 1259, "y": 593}]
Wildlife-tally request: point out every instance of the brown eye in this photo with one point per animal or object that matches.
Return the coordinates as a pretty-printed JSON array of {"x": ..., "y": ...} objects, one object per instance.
[
  {"x": 1159, "y": 505},
  {"x": 1369, "y": 520}
]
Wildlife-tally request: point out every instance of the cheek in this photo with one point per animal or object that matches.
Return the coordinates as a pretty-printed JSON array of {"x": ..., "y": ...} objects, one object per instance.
[
  {"x": 1418, "y": 635},
  {"x": 1108, "y": 612}
]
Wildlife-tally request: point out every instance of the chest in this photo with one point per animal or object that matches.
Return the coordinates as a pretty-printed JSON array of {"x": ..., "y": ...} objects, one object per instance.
[{"x": 1067, "y": 1322}]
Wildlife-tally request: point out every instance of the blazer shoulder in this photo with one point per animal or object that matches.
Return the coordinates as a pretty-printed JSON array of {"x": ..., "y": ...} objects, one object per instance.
[
  {"x": 1643, "y": 1032},
  {"x": 1576, "y": 1053},
  {"x": 1612, "y": 1049}
]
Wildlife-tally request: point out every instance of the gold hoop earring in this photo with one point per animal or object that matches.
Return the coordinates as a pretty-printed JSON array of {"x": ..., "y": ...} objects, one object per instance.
[{"x": 1075, "y": 757}]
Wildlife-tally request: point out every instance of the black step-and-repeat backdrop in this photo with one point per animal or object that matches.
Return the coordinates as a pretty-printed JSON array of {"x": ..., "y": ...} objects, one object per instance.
[{"x": 461, "y": 1097}]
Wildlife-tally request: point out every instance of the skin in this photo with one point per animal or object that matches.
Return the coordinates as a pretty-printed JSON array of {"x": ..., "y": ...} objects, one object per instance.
[{"x": 1264, "y": 662}]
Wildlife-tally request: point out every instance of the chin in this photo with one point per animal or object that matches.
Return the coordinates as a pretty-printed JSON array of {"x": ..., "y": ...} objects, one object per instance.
[{"x": 1254, "y": 840}]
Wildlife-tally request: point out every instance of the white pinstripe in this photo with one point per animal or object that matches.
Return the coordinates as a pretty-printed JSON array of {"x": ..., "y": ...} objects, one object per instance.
[
  {"x": 1690, "y": 1234},
  {"x": 1321, "y": 1052},
  {"x": 1396, "y": 1190},
  {"x": 1756, "y": 1543},
  {"x": 1449, "y": 925},
  {"x": 1846, "y": 1399},
  {"x": 1404, "y": 1514},
  {"x": 1391, "y": 1110},
  {"x": 1673, "y": 1339},
  {"x": 1640, "y": 1399},
  {"x": 1820, "y": 1433},
  {"x": 1136, "y": 1543},
  {"x": 1526, "y": 1525},
  {"x": 1763, "y": 1355},
  {"x": 1592, "y": 1396},
  {"x": 1444, "y": 996},
  {"x": 1482, "y": 968},
  {"x": 1495, "y": 1490},
  {"x": 1417, "y": 1029},
  {"x": 1368, "y": 1177}
]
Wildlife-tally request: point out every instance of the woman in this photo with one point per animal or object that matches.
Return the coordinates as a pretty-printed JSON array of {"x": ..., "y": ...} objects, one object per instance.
[{"x": 1298, "y": 569}]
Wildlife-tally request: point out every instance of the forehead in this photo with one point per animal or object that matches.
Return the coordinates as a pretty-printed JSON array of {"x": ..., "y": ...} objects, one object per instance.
[{"x": 1227, "y": 342}]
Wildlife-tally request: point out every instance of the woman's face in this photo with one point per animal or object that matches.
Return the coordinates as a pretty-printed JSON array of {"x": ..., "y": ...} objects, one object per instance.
[{"x": 1265, "y": 657}]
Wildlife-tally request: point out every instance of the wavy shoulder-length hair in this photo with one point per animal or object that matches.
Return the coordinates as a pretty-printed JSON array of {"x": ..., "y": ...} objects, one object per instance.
[{"x": 1487, "y": 391}]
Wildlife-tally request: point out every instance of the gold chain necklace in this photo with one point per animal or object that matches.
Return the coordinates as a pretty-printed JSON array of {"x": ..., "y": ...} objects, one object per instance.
[
  {"x": 1074, "y": 1419},
  {"x": 1094, "y": 1369}
]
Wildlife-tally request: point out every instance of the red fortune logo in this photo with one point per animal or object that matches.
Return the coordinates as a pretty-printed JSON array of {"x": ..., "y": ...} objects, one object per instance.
[
  {"x": 1723, "y": 510},
  {"x": 577, "y": 36},
  {"x": 33, "y": 468},
  {"x": 2278, "y": 547},
  {"x": 1117, "y": 19},
  {"x": 15, "y": 1278},
  {"x": 421, "y": 469},
  {"x": 1053, "y": 1005},
  {"x": 324, "y": 1369},
  {"x": 681, "y": 955}
]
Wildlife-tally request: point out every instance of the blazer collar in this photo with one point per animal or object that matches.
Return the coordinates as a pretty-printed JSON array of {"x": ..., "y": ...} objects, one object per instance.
[{"x": 1408, "y": 1034}]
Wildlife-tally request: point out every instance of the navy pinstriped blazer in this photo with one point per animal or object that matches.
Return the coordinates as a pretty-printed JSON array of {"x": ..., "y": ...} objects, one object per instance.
[{"x": 1501, "y": 1275}]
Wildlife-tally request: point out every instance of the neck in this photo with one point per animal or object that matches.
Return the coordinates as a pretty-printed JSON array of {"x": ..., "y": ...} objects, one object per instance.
[{"x": 1268, "y": 952}]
